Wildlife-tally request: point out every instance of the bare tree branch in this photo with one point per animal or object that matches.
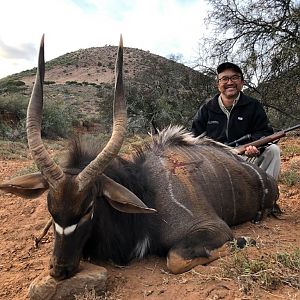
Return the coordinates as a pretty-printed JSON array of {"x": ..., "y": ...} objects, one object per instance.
[{"x": 263, "y": 37}]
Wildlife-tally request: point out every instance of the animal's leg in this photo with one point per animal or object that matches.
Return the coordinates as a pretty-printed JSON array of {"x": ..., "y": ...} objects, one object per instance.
[
  {"x": 178, "y": 264},
  {"x": 194, "y": 251},
  {"x": 199, "y": 248}
]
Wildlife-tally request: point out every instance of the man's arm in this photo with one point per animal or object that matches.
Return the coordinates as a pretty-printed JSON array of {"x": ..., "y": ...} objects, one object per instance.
[
  {"x": 261, "y": 125},
  {"x": 199, "y": 124}
]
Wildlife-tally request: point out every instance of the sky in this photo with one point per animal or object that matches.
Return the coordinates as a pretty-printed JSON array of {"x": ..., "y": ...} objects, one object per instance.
[{"x": 162, "y": 27}]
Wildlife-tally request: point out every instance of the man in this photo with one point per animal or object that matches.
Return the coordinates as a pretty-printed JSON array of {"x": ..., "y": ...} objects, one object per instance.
[{"x": 231, "y": 115}]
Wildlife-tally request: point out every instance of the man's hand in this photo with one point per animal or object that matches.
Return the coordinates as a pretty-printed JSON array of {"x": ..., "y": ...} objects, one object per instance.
[{"x": 251, "y": 151}]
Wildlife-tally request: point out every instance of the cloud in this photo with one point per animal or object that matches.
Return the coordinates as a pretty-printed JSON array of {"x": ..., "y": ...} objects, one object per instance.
[
  {"x": 23, "y": 51},
  {"x": 85, "y": 5},
  {"x": 162, "y": 27}
]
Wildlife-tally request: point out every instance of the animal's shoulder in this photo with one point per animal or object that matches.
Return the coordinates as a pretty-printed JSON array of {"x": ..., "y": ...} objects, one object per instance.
[{"x": 179, "y": 136}]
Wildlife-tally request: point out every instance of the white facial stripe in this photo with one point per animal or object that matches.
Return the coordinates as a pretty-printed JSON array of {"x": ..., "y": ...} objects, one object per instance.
[
  {"x": 64, "y": 231},
  {"x": 70, "y": 229},
  {"x": 58, "y": 229}
]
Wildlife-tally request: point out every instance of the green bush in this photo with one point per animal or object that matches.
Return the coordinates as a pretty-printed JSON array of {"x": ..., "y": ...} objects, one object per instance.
[
  {"x": 14, "y": 104},
  {"x": 48, "y": 82},
  {"x": 11, "y": 85},
  {"x": 12, "y": 117},
  {"x": 13, "y": 132},
  {"x": 73, "y": 82},
  {"x": 57, "y": 119},
  {"x": 4, "y": 129}
]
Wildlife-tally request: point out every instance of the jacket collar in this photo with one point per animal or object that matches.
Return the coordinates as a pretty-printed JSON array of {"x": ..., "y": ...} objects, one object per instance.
[{"x": 214, "y": 104}]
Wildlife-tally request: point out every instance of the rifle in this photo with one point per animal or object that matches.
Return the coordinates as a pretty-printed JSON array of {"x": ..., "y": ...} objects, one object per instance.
[
  {"x": 236, "y": 143},
  {"x": 265, "y": 140}
]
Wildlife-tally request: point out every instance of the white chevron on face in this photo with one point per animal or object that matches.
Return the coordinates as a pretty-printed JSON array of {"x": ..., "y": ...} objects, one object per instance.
[{"x": 64, "y": 231}]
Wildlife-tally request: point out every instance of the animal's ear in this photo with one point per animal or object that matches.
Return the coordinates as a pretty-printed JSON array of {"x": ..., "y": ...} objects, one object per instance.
[
  {"x": 121, "y": 198},
  {"x": 27, "y": 186}
]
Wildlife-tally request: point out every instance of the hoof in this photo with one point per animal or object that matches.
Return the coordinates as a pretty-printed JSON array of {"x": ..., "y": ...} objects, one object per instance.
[{"x": 242, "y": 242}]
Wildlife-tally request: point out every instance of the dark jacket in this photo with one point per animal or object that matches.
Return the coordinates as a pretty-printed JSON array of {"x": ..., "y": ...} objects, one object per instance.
[{"x": 246, "y": 117}]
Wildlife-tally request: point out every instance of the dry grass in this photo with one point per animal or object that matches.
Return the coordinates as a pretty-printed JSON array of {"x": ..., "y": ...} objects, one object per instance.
[
  {"x": 267, "y": 272},
  {"x": 290, "y": 150},
  {"x": 88, "y": 295},
  {"x": 290, "y": 177},
  {"x": 13, "y": 150},
  {"x": 91, "y": 295}
]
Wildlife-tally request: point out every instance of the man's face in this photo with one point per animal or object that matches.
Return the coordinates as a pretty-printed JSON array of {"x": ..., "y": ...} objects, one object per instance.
[{"x": 230, "y": 83}]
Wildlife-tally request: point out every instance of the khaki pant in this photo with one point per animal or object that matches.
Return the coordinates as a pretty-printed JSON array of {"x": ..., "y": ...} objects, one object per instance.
[{"x": 269, "y": 160}]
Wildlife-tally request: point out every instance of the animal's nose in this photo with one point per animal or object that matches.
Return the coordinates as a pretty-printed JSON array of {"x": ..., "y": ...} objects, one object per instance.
[{"x": 62, "y": 272}]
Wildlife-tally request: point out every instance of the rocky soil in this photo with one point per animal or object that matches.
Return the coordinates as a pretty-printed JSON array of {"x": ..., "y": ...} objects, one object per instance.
[{"x": 21, "y": 262}]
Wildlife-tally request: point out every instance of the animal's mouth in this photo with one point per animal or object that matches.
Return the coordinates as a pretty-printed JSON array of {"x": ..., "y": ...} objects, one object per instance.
[{"x": 62, "y": 271}]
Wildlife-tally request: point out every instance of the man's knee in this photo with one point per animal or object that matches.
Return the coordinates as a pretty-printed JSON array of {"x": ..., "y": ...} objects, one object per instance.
[
  {"x": 273, "y": 150},
  {"x": 271, "y": 161}
]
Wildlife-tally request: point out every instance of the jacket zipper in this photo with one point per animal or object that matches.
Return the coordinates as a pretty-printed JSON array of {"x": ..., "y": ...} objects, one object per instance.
[{"x": 227, "y": 125}]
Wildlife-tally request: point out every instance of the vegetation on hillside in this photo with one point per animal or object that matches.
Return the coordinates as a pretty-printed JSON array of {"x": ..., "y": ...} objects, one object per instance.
[
  {"x": 262, "y": 36},
  {"x": 156, "y": 89},
  {"x": 58, "y": 117}
]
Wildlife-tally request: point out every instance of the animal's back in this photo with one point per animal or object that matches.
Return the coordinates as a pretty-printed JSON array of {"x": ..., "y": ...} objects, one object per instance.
[{"x": 199, "y": 183}]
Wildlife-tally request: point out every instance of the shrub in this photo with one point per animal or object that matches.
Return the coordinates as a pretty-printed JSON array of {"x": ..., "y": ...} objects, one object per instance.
[
  {"x": 290, "y": 177},
  {"x": 13, "y": 132},
  {"x": 57, "y": 119},
  {"x": 12, "y": 85},
  {"x": 15, "y": 104},
  {"x": 4, "y": 130},
  {"x": 48, "y": 82},
  {"x": 73, "y": 82}
]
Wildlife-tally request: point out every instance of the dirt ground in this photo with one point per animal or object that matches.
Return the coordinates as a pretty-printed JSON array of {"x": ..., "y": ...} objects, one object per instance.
[{"x": 21, "y": 262}]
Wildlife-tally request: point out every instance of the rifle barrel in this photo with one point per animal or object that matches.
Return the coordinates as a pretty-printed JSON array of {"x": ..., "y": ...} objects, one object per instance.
[
  {"x": 292, "y": 128},
  {"x": 241, "y": 139},
  {"x": 265, "y": 140}
]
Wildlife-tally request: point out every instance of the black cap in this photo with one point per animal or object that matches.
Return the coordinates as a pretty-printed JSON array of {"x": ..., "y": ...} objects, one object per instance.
[{"x": 228, "y": 65}]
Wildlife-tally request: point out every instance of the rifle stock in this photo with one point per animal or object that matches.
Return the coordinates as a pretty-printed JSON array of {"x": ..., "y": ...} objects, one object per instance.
[
  {"x": 261, "y": 142},
  {"x": 265, "y": 140}
]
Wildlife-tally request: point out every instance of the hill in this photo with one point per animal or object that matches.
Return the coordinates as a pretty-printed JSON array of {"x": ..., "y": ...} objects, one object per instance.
[{"x": 81, "y": 83}]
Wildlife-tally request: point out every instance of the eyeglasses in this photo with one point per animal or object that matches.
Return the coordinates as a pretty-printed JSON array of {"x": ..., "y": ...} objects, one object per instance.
[{"x": 233, "y": 78}]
